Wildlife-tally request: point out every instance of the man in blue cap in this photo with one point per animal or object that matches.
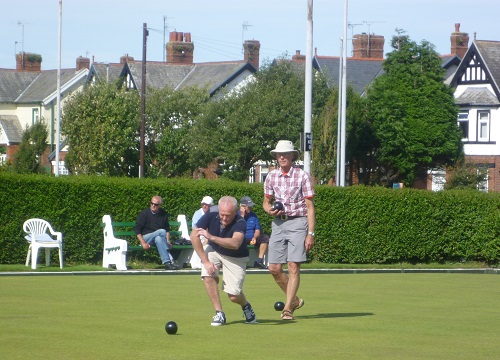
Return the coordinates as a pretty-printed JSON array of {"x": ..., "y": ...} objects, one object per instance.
[{"x": 253, "y": 235}]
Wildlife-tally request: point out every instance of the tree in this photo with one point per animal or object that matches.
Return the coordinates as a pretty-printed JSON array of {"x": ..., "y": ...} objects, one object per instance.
[
  {"x": 466, "y": 176},
  {"x": 359, "y": 139},
  {"x": 28, "y": 159},
  {"x": 245, "y": 125},
  {"x": 101, "y": 127},
  {"x": 170, "y": 118},
  {"x": 324, "y": 154},
  {"x": 413, "y": 114}
]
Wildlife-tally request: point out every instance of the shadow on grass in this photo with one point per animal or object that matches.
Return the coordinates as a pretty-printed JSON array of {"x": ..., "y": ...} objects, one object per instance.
[
  {"x": 305, "y": 317},
  {"x": 333, "y": 315}
]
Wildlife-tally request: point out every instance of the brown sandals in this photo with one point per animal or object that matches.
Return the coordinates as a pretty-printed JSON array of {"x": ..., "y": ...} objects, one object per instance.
[
  {"x": 287, "y": 315},
  {"x": 299, "y": 305}
]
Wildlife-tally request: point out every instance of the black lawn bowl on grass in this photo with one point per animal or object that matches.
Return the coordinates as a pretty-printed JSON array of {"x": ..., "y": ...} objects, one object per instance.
[
  {"x": 347, "y": 316},
  {"x": 171, "y": 327},
  {"x": 279, "y": 305}
]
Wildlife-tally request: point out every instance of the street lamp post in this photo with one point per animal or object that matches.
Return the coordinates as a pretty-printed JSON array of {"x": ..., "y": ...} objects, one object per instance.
[{"x": 308, "y": 90}]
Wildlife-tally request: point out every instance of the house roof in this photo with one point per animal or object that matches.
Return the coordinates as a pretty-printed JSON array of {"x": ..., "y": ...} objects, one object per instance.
[
  {"x": 11, "y": 129},
  {"x": 102, "y": 71},
  {"x": 46, "y": 84},
  {"x": 477, "y": 96},
  {"x": 360, "y": 72},
  {"x": 490, "y": 52},
  {"x": 33, "y": 87},
  {"x": 487, "y": 54},
  {"x": 158, "y": 74},
  {"x": 13, "y": 83},
  {"x": 212, "y": 76},
  {"x": 450, "y": 63}
]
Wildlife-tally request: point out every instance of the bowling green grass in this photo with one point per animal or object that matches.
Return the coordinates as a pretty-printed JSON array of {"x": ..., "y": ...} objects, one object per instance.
[{"x": 346, "y": 316}]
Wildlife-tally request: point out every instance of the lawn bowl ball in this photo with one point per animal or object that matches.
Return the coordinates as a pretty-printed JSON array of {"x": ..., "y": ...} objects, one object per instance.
[
  {"x": 171, "y": 327},
  {"x": 277, "y": 206},
  {"x": 279, "y": 306}
]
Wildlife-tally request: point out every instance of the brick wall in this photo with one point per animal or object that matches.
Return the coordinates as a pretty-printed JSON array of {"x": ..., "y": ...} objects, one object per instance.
[{"x": 493, "y": 164}]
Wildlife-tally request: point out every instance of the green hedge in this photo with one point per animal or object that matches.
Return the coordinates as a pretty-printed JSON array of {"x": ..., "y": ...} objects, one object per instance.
[
  {"x": 379, "y": 225},
  {"x": 354, "y": 225}
]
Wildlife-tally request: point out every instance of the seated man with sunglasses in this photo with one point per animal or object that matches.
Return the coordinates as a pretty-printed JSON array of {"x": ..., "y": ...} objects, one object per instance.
[{"x": 152, "y": 226}]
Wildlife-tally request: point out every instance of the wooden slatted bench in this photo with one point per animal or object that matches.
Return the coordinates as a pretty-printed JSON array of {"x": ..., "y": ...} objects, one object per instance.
[{"x": 117, "y": 236}]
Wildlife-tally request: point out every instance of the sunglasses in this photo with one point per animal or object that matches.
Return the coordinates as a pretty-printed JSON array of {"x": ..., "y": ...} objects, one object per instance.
[{"x": 154, "y": 204}]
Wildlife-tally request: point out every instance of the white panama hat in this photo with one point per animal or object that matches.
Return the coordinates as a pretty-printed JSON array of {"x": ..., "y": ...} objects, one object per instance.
[{"x": 285, "y": 146}]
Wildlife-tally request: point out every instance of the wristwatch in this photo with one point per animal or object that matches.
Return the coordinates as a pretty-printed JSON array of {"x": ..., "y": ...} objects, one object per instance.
[{"x": 311, "y": 233}]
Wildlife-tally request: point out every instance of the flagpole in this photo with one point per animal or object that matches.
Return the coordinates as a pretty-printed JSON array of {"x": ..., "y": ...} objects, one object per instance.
[
  {"x": 344, "y": 100},
  {"x": 58, "y": 122}
]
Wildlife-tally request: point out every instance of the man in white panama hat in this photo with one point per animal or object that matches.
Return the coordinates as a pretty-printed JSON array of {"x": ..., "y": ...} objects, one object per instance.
[{"x": 292, "y": 233}]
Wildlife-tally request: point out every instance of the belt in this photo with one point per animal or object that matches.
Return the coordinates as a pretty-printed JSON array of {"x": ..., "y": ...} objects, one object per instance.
[{"x": 286, "y": 217}]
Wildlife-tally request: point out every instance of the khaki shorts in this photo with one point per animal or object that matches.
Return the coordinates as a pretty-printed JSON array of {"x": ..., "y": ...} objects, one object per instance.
[{"x": 233, "y": 268}]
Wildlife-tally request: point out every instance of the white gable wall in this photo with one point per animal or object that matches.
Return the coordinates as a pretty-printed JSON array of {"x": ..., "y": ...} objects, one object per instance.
[{"x": 474, "y": 144}]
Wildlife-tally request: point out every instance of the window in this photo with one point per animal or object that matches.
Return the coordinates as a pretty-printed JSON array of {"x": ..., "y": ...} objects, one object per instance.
[
  {"x": 483, "y": 183},
  {"x": 35, "y": 116},
  {"x": 483, "y": 126},
  {"x": 62, "y": 168},
  {"x": 463, "y": 124}
]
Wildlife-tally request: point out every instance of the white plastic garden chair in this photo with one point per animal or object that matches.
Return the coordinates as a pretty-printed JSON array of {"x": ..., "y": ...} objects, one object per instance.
[{"x": 41, "y": 235}]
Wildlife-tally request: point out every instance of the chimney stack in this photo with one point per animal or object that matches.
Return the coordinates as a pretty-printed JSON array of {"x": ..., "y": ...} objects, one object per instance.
[
  {"x": 180, "y": 48},
  {"x": 459, "y": 42},
  {"x": 298, "y": 56},
  {"x": 82, "y": 63},
  {"x": 126, "y": 58},
  {"x": 368, "y": 46},
  {"x": 28, "y": 61},
  {"x": 252, "y": 52}
]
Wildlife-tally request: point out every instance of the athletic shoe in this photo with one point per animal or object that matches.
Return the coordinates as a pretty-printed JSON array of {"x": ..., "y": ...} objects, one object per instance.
[
  {"x": 219, "y": 319},
  {"x": 259, "y": 265},
  {"x": 249, "y": 314}
]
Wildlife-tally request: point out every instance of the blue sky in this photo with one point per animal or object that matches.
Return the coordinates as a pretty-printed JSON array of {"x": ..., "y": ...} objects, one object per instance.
[{"x": 105, "y": 30}]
